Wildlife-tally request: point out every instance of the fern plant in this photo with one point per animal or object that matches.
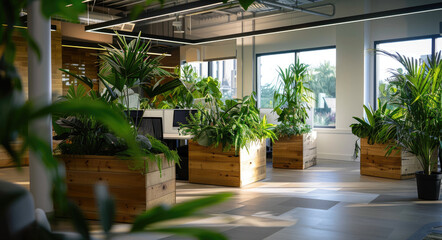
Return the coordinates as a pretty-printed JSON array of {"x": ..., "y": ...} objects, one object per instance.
[
  {"x": 234, "y": 124},
  {"x": 375, "y": 126},
  {"x": 192, "y": 87},
  {"x": 290, "y": 100}
]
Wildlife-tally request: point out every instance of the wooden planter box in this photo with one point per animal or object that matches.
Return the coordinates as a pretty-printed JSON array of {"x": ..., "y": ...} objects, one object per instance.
[
  {"x": 133, "y": 192},
  {"x": 399, "y": 165},
  {"x": 209, "y": 165},
  {"x": 295, "y": 152}
]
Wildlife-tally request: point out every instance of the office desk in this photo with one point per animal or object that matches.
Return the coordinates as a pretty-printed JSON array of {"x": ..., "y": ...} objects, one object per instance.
[
  {"x": 176, "y": 136},
  {"x": 173, "y": 142}
]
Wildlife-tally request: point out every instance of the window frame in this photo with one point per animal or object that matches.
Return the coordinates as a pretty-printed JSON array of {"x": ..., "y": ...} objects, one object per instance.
[
  {"x": 210, "y": 68},
  {"x": 375, "y": 45},
  {"x": 296, "y": 52}
]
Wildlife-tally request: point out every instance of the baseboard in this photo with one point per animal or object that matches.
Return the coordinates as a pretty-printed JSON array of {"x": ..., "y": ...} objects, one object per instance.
[{"x": 335, "y": 156}]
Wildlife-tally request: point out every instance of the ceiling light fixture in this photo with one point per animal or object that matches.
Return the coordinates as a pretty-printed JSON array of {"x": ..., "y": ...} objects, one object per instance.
[
  {"x": 181, "y": 8},
  {"x": 103, "y": 49},
  {"x": 177, "y": 24}
]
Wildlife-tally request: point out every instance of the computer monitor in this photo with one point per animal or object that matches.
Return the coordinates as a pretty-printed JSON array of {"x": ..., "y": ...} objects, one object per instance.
[{"x": 181, "y": 116}]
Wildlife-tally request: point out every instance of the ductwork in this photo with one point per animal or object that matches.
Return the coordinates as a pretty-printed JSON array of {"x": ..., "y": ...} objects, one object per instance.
[
  {"x": 94, "y": 17},
  {"x": 296, "y": 8}
]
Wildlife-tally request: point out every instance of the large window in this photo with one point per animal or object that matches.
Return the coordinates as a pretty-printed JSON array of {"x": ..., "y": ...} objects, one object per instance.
[
  {"x": 322, "y": 72},
  {"x": 223, "y": 70},
  {"x": 268, "y": 75},
  {"x": 201, "y": 68},
  {"x": 420, "y": 49}
]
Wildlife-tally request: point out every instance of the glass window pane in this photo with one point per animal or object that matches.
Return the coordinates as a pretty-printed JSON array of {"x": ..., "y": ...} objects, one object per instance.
[
  {"x": 202, "y": 68},
  {"x": 322, "y": 70},
  {"x": 267, "y": 75},
  {"x": 438, "y": 44},
  {"x": 418, "y": 49},
  {"x": 225, "y": 72}
]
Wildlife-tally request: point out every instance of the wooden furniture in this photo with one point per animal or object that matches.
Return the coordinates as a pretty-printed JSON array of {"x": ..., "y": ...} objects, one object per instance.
[
  {"x": 399, "y": 165},
  {"x": 295, "y": 152},
  {"x": 133, "y": 192},
  {"x": 209, "y": 165}
]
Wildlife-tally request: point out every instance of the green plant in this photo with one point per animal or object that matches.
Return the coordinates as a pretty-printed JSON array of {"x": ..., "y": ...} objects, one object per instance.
[
  {"x": 375, "y": 126},
  {"x": 17, "y": 113},
  {"x": 290, "y": 101},
  {"x": 129, "y": 66},
  {"x": 267, "y": 95},
  {"x": 324, "y": 80},
  {"x": 192, "y": 87},
  {"x": 84, "y": 135},
  {"x": 418, "y": 95},
  {"x": 234, "y": 124}
]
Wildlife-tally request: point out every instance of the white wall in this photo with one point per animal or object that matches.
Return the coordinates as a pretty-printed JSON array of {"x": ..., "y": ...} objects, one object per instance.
[{"x": 354, "y": 70}]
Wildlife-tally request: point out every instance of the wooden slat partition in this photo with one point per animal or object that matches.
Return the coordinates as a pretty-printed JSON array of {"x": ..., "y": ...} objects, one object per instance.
[
  {"x": 6, "y": 161},
  {"x": 133, "y": 192},
  {"x": 209, "y": 165},
  {"x": 295, "y": 152},
  {"x": 399, "y": 165}
]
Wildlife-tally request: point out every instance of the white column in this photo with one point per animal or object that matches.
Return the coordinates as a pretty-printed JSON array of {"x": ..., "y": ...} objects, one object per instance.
[{"x": 39, "y": 75}]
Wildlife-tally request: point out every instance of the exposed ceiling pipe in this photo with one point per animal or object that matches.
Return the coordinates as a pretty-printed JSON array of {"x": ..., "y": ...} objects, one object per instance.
[
  {"x": 213, "y": 9},
  {"x": 188, "y": 15},
  {"x": 294, "y": 8},
  {"x": 95, "y": 17},
  {"x": 269, "y": 14}
]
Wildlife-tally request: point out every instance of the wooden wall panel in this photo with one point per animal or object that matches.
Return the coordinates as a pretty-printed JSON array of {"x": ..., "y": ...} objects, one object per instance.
[{"x": 82, "y": 62}]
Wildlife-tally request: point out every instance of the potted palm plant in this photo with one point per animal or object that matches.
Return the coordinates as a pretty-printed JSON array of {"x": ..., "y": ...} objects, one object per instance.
[
  {"x": 418, "y": 92},
  {"x": 18, "y": 113},
  {"x": 377, "y": 137},
  {"x": 91, "y": 151},
  {"x": 128, "y": 67},
  {"x": 228, "y": 147},
  {"x": 296, "y": 144}
]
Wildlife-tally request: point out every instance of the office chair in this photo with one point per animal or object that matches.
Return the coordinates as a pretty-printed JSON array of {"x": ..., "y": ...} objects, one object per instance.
[{"x": 152, "y": 126}]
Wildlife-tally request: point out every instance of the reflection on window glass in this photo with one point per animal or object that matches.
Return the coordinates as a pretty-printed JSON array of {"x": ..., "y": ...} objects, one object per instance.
[
  {"x": 225, "y": 72},
  {"x": 201, "y": 68},
  {"x": 268, "y": 74},
  {"x": 322, "y": 70},
  {"x": 418, "y": 49}
]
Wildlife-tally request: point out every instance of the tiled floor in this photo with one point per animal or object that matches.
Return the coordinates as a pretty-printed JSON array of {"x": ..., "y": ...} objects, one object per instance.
[{"x": 328, "y": 201}]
